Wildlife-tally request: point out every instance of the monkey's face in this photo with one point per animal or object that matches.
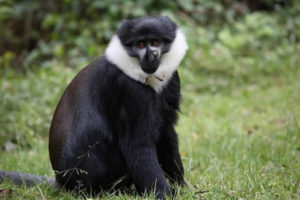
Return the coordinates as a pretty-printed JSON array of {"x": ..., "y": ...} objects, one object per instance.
[{"x": 149, "y": 51}]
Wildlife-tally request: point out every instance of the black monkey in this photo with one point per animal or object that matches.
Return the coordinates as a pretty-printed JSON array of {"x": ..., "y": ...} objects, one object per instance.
[{"x": 114, "y": 124}]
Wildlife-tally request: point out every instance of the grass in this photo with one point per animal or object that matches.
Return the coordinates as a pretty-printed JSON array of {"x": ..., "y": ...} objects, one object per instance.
[
  {"x": 244, "y": 144},
  {"x": 239, "y": 126}
]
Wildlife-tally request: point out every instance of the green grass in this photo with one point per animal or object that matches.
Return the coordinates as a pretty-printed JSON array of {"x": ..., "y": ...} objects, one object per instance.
[
  {"x": 246, "y": 141},
  {"x": 239, "y": 126}
]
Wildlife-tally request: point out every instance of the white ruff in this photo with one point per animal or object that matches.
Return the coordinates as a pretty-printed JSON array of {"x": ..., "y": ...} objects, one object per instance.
[{"x": 117, "y": 55}]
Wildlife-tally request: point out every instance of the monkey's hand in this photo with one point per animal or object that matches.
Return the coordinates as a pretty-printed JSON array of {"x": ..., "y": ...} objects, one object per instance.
[{"x": 162, "y": 195}]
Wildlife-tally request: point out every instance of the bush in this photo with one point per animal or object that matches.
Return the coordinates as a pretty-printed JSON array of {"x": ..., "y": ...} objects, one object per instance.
[{"x": 72, "y": 32}]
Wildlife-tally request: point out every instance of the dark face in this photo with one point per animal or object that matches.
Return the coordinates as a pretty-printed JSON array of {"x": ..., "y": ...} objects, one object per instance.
[
  {"x": 147, "y": 39},
  {"x": 149, "y": 51}
]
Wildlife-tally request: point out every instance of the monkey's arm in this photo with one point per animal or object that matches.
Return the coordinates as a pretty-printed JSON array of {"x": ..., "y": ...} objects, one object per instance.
[
  {"x": 137, "y": 141},
  {"x": 144, "y": 169},
  {"x": 169, "y": 156},
  {"x": 167, "y": 148}
]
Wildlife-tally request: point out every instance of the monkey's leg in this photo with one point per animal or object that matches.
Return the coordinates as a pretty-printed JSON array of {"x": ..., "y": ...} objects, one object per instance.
[{"x": 92, "y": 168}]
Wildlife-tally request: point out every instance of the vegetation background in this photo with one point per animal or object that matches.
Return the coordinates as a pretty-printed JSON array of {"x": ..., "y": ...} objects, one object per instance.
[{"x": 239, "y": 125}]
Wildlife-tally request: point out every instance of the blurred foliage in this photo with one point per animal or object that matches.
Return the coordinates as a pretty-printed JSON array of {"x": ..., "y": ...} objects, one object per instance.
[
  {"x": 27, "y": 103},
  {"x": 40, "y": 33}
]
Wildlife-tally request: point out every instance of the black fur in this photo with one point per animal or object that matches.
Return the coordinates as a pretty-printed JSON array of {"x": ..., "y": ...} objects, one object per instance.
[{"x": 120, "y": 132}]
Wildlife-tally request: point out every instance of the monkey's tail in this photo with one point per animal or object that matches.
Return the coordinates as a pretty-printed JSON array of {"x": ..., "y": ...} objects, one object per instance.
[{"x": 24, "y": 179}]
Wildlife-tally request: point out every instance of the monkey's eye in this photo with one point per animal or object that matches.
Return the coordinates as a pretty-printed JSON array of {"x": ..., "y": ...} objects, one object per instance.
[
  {"x": 141, "y": 44},
  {"x": 155, "y": 43}
]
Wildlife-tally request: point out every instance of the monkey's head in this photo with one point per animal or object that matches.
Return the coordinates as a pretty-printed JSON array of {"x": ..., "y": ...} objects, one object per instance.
[
  {"x": 148, "y": 48},
  {"x": 148, "y": 39}
]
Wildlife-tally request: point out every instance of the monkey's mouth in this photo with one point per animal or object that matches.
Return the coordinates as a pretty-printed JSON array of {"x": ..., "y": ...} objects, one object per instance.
[
  {"x": 150, "y": 66},
  {"x": 149, "y": 70}
]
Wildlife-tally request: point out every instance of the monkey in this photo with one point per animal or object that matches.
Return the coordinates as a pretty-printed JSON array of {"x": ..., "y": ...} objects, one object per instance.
[{"x": 114, "y": 124}]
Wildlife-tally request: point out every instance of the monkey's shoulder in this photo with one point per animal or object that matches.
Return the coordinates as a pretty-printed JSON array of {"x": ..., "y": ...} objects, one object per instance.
[{"x": 102, "y": 78}]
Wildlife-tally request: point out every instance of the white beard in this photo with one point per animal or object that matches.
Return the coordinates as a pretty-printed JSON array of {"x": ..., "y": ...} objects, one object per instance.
[{"x": 117, "y": 55}]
